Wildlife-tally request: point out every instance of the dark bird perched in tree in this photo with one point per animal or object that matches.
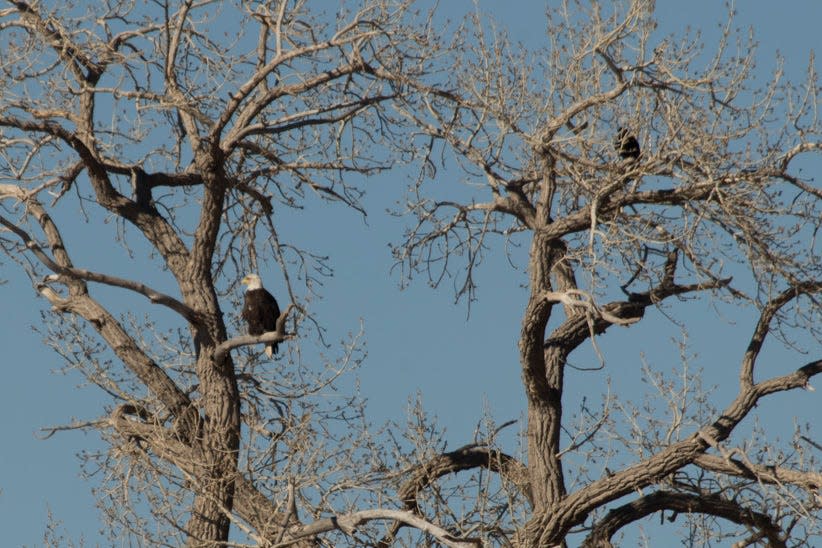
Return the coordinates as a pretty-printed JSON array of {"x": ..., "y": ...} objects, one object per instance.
[
  {"x": 626, "y": 144},
  {"x": 140, "y": 189},
  {"x": 260, "y": 310}
]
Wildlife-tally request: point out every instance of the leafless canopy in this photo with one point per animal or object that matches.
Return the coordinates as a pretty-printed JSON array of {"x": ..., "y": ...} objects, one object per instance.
[
  {"x": 187, "y": 144},
  {"x": 713, "y": 207},
  {"x": 190, "y": 142}
]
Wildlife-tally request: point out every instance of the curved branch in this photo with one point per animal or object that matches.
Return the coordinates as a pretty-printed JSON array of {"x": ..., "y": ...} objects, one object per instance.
[
  {"x": 711, "y": 504},
  {"x": 581, "y": 219},
  {"x": 249, "y": 503},
  {"x": 80, "y": 303},
  {"x": 574, "y": 299},
  {"x": 258, "y": 79},
  {"x": 82, "y": 274},
  {"x": 309, "y": 117},
  {"x": 61, "y": 264},
  {"x": 464, "y": 458},
  {"x": 124, "y": 346},
  {"x": 255, "y": 107},
  {"x": 153, "y": 226},
  {"x": 578, "y": 328},
  {"x": 348, "y": 523},
  {"x": 763, "y": 326},
  {"x": 155, "y": 179},
  {"x": 459, "y": 460},
  {"x": 174, "y": 33},
  {"x": 796, "y": 151},
  {"x": 801, "y": 378},
  {"x": 72, "y": 55},
  {"x": 568, "y": 114}
]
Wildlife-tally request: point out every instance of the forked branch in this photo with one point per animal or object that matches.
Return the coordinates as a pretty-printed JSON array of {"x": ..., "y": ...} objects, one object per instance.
[
  {"x": 670, "y": 459},
  {"x": 763, "y": 326}
]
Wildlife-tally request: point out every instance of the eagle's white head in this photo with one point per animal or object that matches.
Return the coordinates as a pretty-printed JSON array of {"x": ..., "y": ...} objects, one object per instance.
[{"x": 252, "y": 281}]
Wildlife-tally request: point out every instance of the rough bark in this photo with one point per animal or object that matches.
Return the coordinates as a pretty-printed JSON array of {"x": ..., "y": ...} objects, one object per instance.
[{"x": 251, "y": 132}]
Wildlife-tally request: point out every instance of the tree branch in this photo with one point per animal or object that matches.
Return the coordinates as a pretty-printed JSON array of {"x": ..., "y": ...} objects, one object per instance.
[
  {"x": 151, "y": 224},
  {"x": 278, "y": 335},
  {"x": 245, "y": 90},
  {"x": 82, "y": 274},
  {"x": 124, "y": 346},
  {"x": 73, "y": 56},
  {"x": 253, "y": 109},
  {"x": 764, "y": 324},
  {"x": 579, "y": 504},
  {"x": 712, "y": 504},
  {"x": 348, "y": 523},
  {"x": 249, "y": 503},
  {"x": 464, "y": 458},
  {"x": 578, "y": 328},
  {"x": 777, "y": 475}
]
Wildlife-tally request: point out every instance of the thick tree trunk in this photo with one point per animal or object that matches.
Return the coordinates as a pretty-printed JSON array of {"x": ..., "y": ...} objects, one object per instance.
[
  {"x": 543, "y": 365},
  {"x": 209, "y": 524},
  {"x": 542, "y": 376},
  {"x": 214, "y": 496},
  {"x": 543, "y": 465}
]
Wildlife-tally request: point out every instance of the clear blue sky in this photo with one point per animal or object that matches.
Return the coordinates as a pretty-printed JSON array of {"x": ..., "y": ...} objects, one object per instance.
[{"x": 418, "y": 339}]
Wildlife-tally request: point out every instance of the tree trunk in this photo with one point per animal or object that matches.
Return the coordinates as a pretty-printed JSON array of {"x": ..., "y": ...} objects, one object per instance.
[
  {"x": 209, "y": 523},
  {"x": 542, "y": 375}
]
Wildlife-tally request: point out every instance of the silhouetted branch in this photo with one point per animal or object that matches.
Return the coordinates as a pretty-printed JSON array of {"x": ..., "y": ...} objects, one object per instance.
[{"x": 763, "y": 326}]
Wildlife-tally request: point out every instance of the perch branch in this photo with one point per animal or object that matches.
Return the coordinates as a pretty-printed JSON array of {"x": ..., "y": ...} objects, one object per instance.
[{"x": 278, "y": 335}]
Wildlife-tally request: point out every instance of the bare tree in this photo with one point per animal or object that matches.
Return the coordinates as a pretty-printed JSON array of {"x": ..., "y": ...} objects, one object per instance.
[
  {"x": 634, "y": 175},
  {"x": 638, "y": 172},
  {"x": 185, "y": 140}
]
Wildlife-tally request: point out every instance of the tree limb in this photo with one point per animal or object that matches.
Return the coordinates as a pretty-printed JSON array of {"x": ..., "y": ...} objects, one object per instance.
[
  {"x": 348, "y": 523},
  {"x": 249, "y": 503},
  {"x": 578, "y": 328},
  {"x": 73, "y": 56},
  {"x": 278, "y": 335},
  {"x": 580, "y": 503},
  {"x": 764, "y": 324},
  {"x": 712, "y": 504},
  {"x": 778, "y": 475},
  {"x": 82, "y": 274},
  {"x": 464, "y": 458}
]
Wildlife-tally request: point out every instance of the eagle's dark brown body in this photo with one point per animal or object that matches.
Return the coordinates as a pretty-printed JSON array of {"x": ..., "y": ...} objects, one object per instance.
[
  {"x": 261, "y": 311},
  {"x": 626, "y": 144}
]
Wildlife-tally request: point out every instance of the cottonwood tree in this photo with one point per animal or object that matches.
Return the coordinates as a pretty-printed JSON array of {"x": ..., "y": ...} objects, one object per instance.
[
  {"x": 187, "y": 143},
  {"x": 182, "y": 131},
  {"x": 713, "y": 206}
]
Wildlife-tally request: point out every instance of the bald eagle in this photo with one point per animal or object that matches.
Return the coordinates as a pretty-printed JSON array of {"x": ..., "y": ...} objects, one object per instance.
[
  {"x": 626, "y": 144},
  {"x": 260, "y": 310}
]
